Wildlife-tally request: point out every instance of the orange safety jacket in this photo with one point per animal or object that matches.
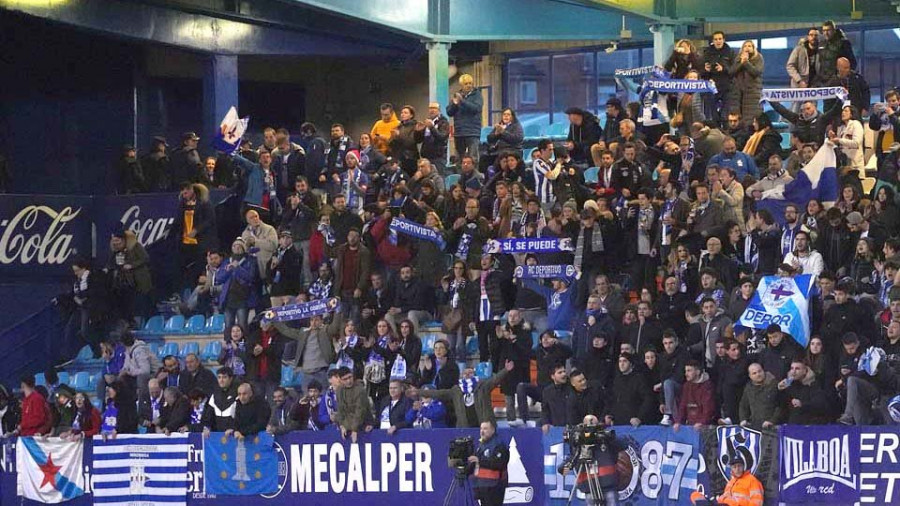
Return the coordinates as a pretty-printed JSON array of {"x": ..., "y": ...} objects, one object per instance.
[{"x": 743, "y": 491}]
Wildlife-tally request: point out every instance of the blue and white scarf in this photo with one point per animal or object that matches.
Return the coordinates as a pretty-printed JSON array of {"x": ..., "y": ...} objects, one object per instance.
[
  {"x": 664, "y": 85},
  {"x": 303, "y": 310},
  {"x": 353, "y": 188},
  {"x": 331, "y": 401},
  {"x": 462, "y": 250},
  {"x": 468, "y": 389},
  {"x": 110, "y": 418},
  {"x": 544, "y": 271},
  {"x": 398, "y": 370},
  {"x": 197, "y": 413},
  {"x": 413, "y": 229},
  {"x": 327, "y": 232},
  {"x": 154, "y": 407},
  {"x": 529, "y": 245},
  {"x": 751, "y": 252}
]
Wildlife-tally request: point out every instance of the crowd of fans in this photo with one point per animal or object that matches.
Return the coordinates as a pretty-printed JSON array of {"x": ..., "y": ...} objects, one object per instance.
[{"x": 668, "y": 248}]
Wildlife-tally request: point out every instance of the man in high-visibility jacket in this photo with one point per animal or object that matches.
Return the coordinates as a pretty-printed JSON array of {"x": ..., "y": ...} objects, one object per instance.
[
  {"x": 489, "y": 479},
  {"x": 743, "y": 489}
]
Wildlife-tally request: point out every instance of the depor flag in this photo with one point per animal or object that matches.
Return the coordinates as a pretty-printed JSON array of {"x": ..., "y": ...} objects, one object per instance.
[{"x": 782, "y": 301}]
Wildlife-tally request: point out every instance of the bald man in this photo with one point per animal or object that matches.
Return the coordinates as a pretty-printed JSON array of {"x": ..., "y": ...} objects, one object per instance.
[
  {"x": 261, "y": 236},
  {"x": 251, "y": 415},
  {"x": 855, "y": 84}
]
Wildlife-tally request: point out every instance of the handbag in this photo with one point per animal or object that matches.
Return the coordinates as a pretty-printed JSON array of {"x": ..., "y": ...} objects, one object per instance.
[{"x": 451, "y": 320}]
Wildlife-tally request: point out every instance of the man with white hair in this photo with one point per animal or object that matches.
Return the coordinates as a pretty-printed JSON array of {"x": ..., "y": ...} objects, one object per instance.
[{"x": 465, "y": 108}]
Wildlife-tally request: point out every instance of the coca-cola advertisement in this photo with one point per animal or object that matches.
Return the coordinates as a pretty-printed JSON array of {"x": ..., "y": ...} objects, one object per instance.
[
  {"x": 41, "y": 234},
  {"x": 149, "y": 216}
]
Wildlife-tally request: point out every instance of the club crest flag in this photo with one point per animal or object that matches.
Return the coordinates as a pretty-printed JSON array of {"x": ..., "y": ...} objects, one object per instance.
[
  {"x": 782, "y": 301},
  {"x": 248, "y": 466},
  {"x": 230, "y": 131},
  {"x": 146, "y": 469},
  {"x": 50, "y": 469}
]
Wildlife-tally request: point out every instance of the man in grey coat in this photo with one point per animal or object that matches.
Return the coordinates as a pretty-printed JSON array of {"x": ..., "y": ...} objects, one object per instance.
[{"x": 471, "y": 398}]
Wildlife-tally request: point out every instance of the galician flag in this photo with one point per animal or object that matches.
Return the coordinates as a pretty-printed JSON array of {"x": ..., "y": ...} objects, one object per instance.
[
  {"x": 782, "y": 301},
  {"x": 49, "y": 469}
]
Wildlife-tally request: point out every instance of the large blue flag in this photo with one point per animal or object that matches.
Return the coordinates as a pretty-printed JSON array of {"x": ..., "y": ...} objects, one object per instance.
[
  {"x": 782, "y": 301},
  {"x": 818, "y": 180},
  {"x": 247, "y": 466}
]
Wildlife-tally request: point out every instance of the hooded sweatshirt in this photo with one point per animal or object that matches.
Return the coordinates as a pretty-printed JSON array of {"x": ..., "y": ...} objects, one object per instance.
[{"x": 697, "y": 403}]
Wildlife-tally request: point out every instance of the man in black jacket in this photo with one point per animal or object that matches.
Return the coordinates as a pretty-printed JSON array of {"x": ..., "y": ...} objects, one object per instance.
[
  {"x": 150, "y": 405},
  {"x": 185, "y": 160},
  {"x": 413, "y": 301},
  {"x": 857, "y": 88},
  {"x": 810, "y": 125},
  {"x": 196, "y": 376},
  {"x": 671, "y": 373},
  {"x": 584, "y": 132},
  {"x": 514, "y": 344},
  {"x": 434, "y": 143},
  {"x": 717, "y": 59},
  {"x": 584, "y": 398},
  {"x": 780, "y": 351},
  {"x": 218, "y": 416},
  {"x": 550, "y": 354},
  {"x": 194, "y": 230},
  {"x": 631, "y": 400},
  {"x": 252, "y": 414},
  {"x": 155, "y": 165},
  {"x": 555, "y": 400},
  {"x": 176, "y": 414},
  {"x": 803, "y": 399},
  {"x": 392, "y": 409}
]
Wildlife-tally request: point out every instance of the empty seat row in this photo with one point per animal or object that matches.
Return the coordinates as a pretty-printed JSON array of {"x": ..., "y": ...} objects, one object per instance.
[{"x": 176, "y": 325}]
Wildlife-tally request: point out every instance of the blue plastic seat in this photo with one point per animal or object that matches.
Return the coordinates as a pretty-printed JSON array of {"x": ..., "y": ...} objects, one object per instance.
[
  {"x": 188, "y": 348},
  {"x": 154, "y": 325},
  {"x": 64, "y": 378},
  {"x": 560, "y": 129},
  {"x": 533, "y": 131},
  {"x": 471, "y": 346},
  {"x": 287, "y": 376},
  {"x": 564, "y": 336},
  {"x": 215, "y": 324},
  {"x": 526, "y": 154},
  {"x": 462, "y": 366},
  {"x": 40, "y": 379},
  {"x": 428, "y": 341},
  {"x": 298, "y": 379},
  {"x": 535, "y": 340},
  {"x": 85, "y": 354},
  {"x": 82, "y": 382},
  {"x": 154, "y": 348},
  {"x": 97, "y": 403},
  {"x": 785, "y": 140},
  {"x": 168, "y": 349},
  {"x": 483, "y": 370},
  {"x": 175, "y": 325},
  {"x": 451, "y": 180},
  {"x": 211, "y": 351},
  {"x": 592, "y": 175},
  {"x": 195, "y": 325},
  {"x": 484, "y": 133}
]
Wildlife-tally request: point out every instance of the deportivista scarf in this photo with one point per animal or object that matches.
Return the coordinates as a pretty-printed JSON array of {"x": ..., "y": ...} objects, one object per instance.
[
  {"x": 468, "y": 389},
  {"x": 544, "y": 271},
  {"x": 418, "y": 231},
  {"x": 302, "y": 311},
  {"x": 803, "y": 94}
]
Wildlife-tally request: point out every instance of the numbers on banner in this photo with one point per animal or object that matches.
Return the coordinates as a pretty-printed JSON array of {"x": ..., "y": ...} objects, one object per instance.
[
  {"x": 684, "y": 452},
  {"x": 651, "y": 478}
]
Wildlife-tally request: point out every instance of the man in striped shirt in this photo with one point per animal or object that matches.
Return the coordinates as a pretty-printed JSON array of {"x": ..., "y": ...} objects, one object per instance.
[{"x": 543, "y": 185}]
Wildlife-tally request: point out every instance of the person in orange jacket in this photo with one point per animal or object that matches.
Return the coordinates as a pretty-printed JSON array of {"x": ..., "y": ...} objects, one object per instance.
[{"x": 743, "y": 489}]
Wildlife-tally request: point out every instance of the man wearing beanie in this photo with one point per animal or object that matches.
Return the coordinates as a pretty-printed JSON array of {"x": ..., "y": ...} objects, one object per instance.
[{"x": 631, "y": 400}]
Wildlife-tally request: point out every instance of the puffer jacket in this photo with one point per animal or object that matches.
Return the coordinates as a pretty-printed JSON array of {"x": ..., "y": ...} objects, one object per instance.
[
  {"x": 797, "y": 65},
  {"x": 724, "y": 57},
  {"x": 830, "y": 50}
]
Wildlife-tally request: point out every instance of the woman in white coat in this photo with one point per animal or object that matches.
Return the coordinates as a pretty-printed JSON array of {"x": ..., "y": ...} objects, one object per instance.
[{"x": 849, "y": 137}]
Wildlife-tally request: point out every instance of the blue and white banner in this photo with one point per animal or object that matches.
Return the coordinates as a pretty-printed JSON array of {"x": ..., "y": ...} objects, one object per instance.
[
  {"x": 146, "y": 469},
  {"x": 544, "y": 271},
  {"x": 678, "y": 86},
  {"x": 303, "y": 310},
  {"x": 49, "y": 469},
  {"x": 247, "y": 466},
  {"x": 231, "y": 130},
  {"x": 782, "y": 301},
  {"x": 657, "y": 466},
  {"x": 802, "y": 94},
  {"x": 529, "y": 245},
  {"x": 418, "y": 231},
  {"x": 819, "y": 464}
]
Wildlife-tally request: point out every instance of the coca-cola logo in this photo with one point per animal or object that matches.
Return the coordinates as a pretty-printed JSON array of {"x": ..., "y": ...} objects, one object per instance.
[
  {"x": 24, "y": 241},
  {"x": 148, "y": 231}
]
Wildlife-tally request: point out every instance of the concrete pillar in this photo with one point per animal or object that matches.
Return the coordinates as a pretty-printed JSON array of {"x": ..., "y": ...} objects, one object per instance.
[
  {"x": 438, "y": 72},
  {"x": 220, "y": 92},
  {"x": 663, "y": 42}
]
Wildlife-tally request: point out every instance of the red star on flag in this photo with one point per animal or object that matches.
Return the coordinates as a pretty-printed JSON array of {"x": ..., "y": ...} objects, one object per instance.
[{"x": 49, "y": 471}]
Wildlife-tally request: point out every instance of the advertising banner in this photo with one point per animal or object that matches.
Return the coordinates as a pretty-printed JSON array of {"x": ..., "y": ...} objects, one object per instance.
[
  {"x": 41, "y": 234},
  {"x": 657, "y": 466},
  {"x": 405, "y": 468}
]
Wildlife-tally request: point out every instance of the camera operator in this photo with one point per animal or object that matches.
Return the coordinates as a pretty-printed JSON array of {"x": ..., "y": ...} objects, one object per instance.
[
  {"x": 490, "y": 461},
  {"x": 593, "y": 456}
]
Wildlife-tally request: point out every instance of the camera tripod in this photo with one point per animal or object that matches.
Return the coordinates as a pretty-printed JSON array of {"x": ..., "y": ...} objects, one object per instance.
[
  {"x": 460, "y": 485},
  {"x": 595, "y": 495}
]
